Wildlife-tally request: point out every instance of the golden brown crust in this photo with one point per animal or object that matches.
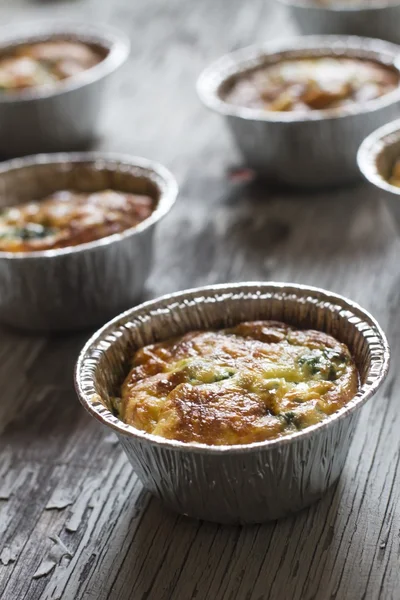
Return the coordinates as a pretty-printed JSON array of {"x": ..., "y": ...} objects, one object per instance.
[
  {"x": 307, "y": 84},
  {"x": 69, "y": 219},
  {"x": 256, "y": 381}
]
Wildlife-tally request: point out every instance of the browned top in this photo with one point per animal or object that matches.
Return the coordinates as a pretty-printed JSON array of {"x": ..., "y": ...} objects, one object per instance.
[
  {"x": 70, "y": 218},
  {"x": 312, "y": 84},
  {"x": 257, "y": 381},
  {"x": 45, "y": 63}
]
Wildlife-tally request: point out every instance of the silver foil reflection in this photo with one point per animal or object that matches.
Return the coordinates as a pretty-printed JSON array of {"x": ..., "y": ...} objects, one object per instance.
[
  {"x": 376, "y": 158},
  {"x": 234, "y": 484},
  {"x": 66, "y": 115},
  {"x": 367, "y": 19},
  {"x": 311, "y": 149},
  {"x": 80, "y": 286}
]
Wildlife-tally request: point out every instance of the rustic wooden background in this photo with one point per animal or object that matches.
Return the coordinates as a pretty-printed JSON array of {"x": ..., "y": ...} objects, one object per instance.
[{"x": 75, "y": 523}]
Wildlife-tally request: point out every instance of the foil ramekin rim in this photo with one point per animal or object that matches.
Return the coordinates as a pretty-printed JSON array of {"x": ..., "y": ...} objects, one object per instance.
[
  {"x": 153, "y": 169},
  {"x": 372, "y": 147},
  {"x": 115, "y": 41},
  {"x": 373, "y": 5},
  {"x": 213, "y": 77},
  {"x": 89, "y": 399}
]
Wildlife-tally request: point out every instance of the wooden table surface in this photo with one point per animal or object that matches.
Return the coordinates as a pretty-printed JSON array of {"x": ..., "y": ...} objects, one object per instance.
[{"x": 75, "y": 523}]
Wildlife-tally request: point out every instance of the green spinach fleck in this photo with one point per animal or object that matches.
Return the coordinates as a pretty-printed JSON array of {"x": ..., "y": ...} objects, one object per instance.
[
  {"x": 290, "y": 418},
  {"x": 30, "y": 231}
]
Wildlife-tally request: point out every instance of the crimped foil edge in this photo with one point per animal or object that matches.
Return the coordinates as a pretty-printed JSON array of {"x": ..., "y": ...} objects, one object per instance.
[
  {"x": 114, "y": 41},
  {"x": 156, "y": 173},
  {"x": 371, "y": 150},
  {"x": 327, "y": 302},
  {"x": 241, "y": 61},
  {"x": 363, "y": 8}
]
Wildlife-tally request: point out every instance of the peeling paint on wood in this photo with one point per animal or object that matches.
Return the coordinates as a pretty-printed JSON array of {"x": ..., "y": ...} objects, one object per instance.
[
  {"x": 83, "y": 502},
  {"x": 7, "y": 556},
  {"x": 59, "y": 504},
  {"x": 57, "y": 552}
]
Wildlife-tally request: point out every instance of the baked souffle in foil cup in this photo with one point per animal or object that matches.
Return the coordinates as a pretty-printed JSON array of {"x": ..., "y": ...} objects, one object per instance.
[
  {"x": 367, "y": 18},
  {"x": 79, "y": 286},
  {"x": 377, "y": 158},
  {"x": 248, "y": 483},
  {"x": 311, "y": 149},
  {"x": 65, "y": 115}
]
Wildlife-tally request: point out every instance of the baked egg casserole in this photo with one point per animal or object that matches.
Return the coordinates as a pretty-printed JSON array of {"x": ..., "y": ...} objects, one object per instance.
[
  {"x": 45, "y": 63},
  {"x": 257, "y": 381},
  {"x": 307, "y": 84},
  {"x": 68, "y": 218}
]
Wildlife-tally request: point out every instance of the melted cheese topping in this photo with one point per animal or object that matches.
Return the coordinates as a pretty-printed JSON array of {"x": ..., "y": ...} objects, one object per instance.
[
  {"x": 70, "y": 218},
  {"x": 45, "y": 63},
  {"x": 313, "y": 84},
  {"x": 258, "y": 381}
]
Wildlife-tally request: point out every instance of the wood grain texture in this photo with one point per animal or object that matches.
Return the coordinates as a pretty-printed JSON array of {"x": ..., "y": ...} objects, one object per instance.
[{"x": 62, "y": 475}]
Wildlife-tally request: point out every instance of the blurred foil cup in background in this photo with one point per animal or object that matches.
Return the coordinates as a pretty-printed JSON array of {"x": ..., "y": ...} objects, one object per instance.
[
  {"x": 310, "y": 149},
  {"x": 79, "y": 286},
  {"x": 66, "y": 115}
]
